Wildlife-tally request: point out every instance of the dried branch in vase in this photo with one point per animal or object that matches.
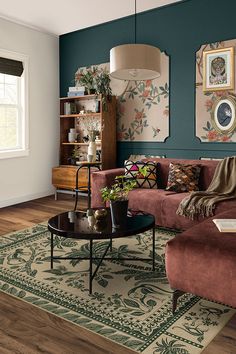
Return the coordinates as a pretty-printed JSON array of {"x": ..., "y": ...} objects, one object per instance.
[{"x": 92, "y": 125}]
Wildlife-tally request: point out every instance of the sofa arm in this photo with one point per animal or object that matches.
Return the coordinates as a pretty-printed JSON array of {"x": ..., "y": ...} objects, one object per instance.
[{"x": 102, "y": 179}]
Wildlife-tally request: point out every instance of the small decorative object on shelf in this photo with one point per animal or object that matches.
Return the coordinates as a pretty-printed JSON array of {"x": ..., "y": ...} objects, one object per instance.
[
  {"x": 72, "y": 135},
  {"x": 85, "y": 139},
  {"x": 98, "y": 155}
]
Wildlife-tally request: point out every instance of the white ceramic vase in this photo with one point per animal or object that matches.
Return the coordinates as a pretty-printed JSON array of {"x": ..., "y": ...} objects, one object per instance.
[
  {"x": 71, "y": 137},
  {"x": 92, "y": 151}
]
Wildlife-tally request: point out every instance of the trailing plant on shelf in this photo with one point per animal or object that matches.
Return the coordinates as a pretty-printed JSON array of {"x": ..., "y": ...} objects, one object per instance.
[
  {"x": 74, "y": 155},
  {"x": 87, "y": 78},
  {"x": 103, "y": 87},
  {"x": 97, "y": 80}
]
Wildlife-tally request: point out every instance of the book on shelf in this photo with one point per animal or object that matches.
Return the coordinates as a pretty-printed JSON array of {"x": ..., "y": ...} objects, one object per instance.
[
  {"x": 225, "y": 225},
  {"x": 69, "y": 108},
  {"x": 75, "y": 93},
  {"x": 77, "y": 88}
]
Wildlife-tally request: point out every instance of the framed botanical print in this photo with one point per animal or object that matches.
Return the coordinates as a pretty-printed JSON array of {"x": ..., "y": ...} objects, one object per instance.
[
  {"x": 223, "y": 114},
  {"x": 218, "y": 69}
]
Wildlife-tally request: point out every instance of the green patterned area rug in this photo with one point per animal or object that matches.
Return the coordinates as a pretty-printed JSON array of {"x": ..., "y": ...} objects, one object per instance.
[{"x": 130, "y": 303}]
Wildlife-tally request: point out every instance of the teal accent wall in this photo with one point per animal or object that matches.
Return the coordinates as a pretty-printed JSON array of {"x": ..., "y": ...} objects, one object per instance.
[{"x": 179, "y": 30}]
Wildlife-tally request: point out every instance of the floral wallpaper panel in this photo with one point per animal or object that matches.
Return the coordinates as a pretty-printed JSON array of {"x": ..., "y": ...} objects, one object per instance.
[{"x": 142, "y": 106}]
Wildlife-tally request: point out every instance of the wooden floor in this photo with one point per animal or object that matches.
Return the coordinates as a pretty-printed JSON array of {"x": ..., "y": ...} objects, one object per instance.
[{"x": 25, "y": 329}]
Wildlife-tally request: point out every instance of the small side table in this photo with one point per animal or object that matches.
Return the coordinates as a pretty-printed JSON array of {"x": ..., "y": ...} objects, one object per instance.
[{"x": 89, "y": 166}]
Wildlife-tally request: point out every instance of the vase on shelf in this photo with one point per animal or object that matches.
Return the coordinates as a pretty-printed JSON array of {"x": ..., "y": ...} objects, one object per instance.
[
  {"x": 92, "y": 151},
  {"x": 72, "y": 135}
]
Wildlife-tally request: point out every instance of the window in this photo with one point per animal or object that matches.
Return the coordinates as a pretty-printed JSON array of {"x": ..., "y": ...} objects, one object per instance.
[{"x": 13, "y": 105}]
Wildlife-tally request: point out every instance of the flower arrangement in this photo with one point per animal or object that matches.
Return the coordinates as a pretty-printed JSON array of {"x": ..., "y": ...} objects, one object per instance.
[{"x": 92, "y": 125}]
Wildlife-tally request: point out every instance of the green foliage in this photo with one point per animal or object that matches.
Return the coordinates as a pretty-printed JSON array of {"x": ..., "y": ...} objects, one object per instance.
[
  {"x": 75, "y": 152},
  {"x": 97, "y": 80},
  {"x": 119, "y": 190},
  {"x": 102, "y": 84},
  {"x": 87, "y": 78}
]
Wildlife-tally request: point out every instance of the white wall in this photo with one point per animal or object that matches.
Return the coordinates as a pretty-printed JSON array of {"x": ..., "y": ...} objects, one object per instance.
[{"x": 29, "y": 177}]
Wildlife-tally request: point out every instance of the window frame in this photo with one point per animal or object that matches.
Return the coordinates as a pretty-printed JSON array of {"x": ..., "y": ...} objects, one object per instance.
[{"x": 23, "y": 128}]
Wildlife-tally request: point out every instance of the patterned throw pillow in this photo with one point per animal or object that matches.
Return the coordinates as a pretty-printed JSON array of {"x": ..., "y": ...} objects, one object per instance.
[
  {"x": 144, "y": 173},
  {"x": 141, "y": 157},
  {"x": 183, "y": 178}
]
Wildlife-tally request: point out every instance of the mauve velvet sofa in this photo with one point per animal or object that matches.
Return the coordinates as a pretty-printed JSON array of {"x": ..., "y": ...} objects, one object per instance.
[{"x": 200, "y": 260}]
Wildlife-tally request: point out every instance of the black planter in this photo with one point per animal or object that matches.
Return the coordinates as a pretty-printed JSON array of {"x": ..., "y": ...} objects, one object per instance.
[{"x": 119, "y": 209}]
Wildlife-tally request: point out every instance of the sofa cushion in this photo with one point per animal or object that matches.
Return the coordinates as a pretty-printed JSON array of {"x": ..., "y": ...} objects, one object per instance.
[
  {"x": 148, "y": 200},
  {"x": 183, "y": 178},
  {"x": 170, "y": 219},
  {"x": 168, "y": 211},
  {"x": 201, "y": 261},
  {"x": 144, "y": 173}
]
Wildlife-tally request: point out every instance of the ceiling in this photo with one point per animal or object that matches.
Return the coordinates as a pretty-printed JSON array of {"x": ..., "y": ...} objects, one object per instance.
[{"x": 58, "y": 17}]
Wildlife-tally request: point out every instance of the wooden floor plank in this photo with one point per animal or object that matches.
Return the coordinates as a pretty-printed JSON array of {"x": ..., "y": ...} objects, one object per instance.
[{"x": 25, "y": 329}]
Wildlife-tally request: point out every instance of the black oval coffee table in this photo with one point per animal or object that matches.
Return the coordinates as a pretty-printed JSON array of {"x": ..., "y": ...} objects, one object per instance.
[{"x": 82, "y": 226}]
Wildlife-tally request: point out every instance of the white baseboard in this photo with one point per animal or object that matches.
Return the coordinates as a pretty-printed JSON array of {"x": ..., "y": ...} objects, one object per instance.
[{"x": 25, "y": 198}]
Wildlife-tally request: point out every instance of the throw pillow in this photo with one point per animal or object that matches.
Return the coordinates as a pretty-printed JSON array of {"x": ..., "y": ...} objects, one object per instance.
[
  {"x": 144, "y": 173},
  {"x": 141, "y": 157},
  {"x": 183, "y": 178}
]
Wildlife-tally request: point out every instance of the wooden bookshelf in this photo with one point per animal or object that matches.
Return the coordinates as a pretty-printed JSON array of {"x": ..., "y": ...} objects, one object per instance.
[{"x": 63, "y": 175}]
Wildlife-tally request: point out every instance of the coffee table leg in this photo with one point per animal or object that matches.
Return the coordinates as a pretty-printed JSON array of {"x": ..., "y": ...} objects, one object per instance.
[
  {"x": 153, "y": 248},
  {"x": 91, "y": 267},
  {"x": 51, "y": 250}
]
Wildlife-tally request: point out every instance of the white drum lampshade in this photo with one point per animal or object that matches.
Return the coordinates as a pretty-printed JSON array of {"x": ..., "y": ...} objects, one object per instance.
[{"x": 135, "y": 62}]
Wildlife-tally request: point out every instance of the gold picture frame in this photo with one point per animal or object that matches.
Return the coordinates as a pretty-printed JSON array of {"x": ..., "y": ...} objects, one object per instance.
[
  {"x": 218, "y": 69},
  {"x": 224, "y": 114}
]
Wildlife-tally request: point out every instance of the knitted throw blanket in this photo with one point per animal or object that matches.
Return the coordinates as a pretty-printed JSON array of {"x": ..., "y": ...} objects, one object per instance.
[{"x": 222, "y": 187}]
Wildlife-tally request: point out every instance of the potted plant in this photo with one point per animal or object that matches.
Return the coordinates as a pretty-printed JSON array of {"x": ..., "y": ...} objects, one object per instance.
[
  {"x": 102, "y": 84},
  {"x": 74, "y": 155},
  {"x": 96, "y": 81},
  {"x": 117, "y": 195},
  {"x": 88, "y": 79}
]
